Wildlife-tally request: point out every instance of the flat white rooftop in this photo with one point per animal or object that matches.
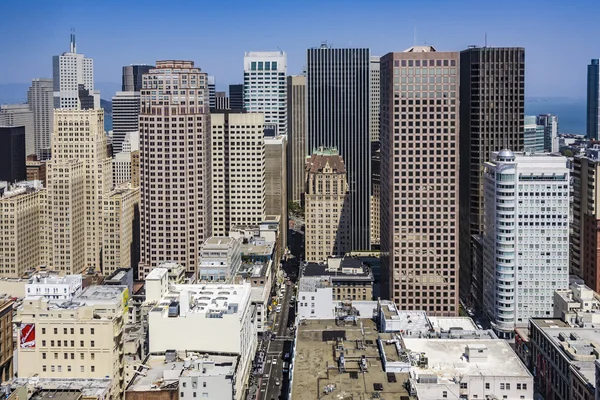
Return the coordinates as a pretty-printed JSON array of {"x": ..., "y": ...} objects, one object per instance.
[
  {"x": 446, "y": 358},
  {"x": 447, "y": 323},
  {"x": 90, "y": 388}
]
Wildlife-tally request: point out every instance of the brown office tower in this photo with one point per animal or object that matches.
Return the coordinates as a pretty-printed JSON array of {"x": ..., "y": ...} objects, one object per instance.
[
  {"x": 174, "y": 165},
  {"x": 492, "y": 108},
  {"x": 419, "y": 179}
]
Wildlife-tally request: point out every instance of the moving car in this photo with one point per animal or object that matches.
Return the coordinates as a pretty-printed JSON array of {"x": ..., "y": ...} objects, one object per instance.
[{"x": 278, "y": 309}]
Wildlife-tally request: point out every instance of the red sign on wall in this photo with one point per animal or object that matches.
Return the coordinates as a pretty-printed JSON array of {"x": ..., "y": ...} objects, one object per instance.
[{"x": 27, "y": 336}]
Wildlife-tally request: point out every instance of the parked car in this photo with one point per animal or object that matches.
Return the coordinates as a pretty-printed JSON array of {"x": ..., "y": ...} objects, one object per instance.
[{"x": 278, "y": 309}]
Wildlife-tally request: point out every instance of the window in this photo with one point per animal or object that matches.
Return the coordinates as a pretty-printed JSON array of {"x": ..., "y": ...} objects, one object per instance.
[
  {"x": 445, "y": 394},
  {"x": 43, "y": 343},
  {"x": 184, "y": 384},
  {"x": 181, "y": 394},
  {"x": 52, "y": 343},
  {"x": 463, "y": 385},
  {"x": 487, "y": 386},
  {"x": 59, "y": 368},
  {"x": 502, "y": 386},
  {"x": 93, "y": 368},
  {"x": 81, "y": 343},
  {"x": 91, "y": 343},
  {"x": 68, "y": 368},
  {"x": 56, "y": 331},
  {"x": 65, "y": 331},
  {"x": 508, "y": 386},
  {"x": 92, "y": 331},
  {"x": 82, "y": 369},
  {"x": 81, "y": 330},
  {"x": 524, "y": 386},
  {"x": 52, "y": 368},
  {"x": 194, "y": 394},
  {"x": 72, "y": 331},
  {"x": 43, "y": 356},
  {"x": 43, "y": 368},
  {"x": 81, "y": 356},
  {"x": 43, "y": 331},
  {"x": 203, "y": 384},
  {"x": 518, "y": 386},
  {"x": 92, "y": 356}
]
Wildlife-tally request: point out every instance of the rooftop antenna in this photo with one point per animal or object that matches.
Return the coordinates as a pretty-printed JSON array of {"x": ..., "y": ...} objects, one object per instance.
[{"x": 73, "y": 46}]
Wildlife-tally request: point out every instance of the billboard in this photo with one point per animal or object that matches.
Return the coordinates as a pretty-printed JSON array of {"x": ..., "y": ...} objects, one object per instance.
[{"x": 27, "y": 336}]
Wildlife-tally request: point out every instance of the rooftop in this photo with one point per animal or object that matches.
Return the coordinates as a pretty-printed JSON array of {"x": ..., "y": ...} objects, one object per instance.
[
  {"x": 257, "y": 269},
  {"x": 447, "y": 358},
  {"x": 221, "y": 241},
  {"x": 45, "y": 278},
  {"x": 316, "y": 363},
  {"x": 324, "y": 158},
  {"x": 346, "y": 268},
  {"x": 452, "y": 323},
  {"x": 89, "y": 387},
  {"x": 62, "y": 394}
]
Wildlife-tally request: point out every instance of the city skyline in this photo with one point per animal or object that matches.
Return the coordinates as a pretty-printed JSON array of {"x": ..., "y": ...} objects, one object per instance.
[{"x": 430, "y": 20}]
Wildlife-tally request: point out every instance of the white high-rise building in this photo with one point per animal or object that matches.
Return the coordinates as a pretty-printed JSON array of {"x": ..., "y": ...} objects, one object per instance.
[
  {"x": 238, "y": 170},
  {"x": 40, "y": 98},
  {"x": 125, "y": 112},
  {"x": 20, "y": 115},
  {"x": 550, "y": 124},
  {"x": 525, "y": 237},
  {"x": 265, "y": 88},
  {"x": 374, "y": 89},
  {"x": 69, "y": 70}
]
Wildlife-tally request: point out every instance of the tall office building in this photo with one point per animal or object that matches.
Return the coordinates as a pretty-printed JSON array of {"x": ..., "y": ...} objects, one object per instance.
[
  {"x": 533, "y": 135},
  {"x": 265, "y": 88},
  {"x": 79, "y": 176},
  {"x": 69, "y": 70},
  {"x": 419, "y": 179},
  {"x": 20, "y": 115},
  {"x": 221, "y": 101},
  {"x": 40, "y": 98},
  {"x": 236, "y": 97},
  {"x": 525, "y": 237},
  {"x": 328, "y": 213},
  {"x": 375, "y": 194},
  {"x": 125, "y": 113},
  {"x": 175, "y": 211},
  {"x": 375, "y": 97},
  {"x": 593, "y": 100},
  {"x": 492, "y": 109},
  {"x": 212, "y": 91},
  {"x": 338, "y": 116},
  {"x": 296, "y": 155},
  {"x": 275, "y": 182},
  {"x": 550, "y": 124},
  {"x": 238, "y": 170},
  {"x": 132, "y": 77},
  {"x": 585, "y": 240},
  {"x": 12, "y": 154}
]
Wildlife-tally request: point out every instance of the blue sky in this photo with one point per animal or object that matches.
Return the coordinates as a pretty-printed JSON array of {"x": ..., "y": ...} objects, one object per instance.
[{"x": 560, "y": 37}]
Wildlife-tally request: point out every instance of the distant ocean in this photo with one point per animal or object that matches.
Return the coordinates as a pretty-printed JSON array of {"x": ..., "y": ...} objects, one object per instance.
[{"x": 571, "y": 113}]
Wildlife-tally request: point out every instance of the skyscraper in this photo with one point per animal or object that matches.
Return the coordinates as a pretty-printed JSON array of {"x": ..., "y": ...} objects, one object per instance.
[
  {"x": 275, "y": 181},
  {"x": 176, "y": 211},
  {"x": 236, "y": 97},
  {"x": 593, "y": 99},
  {"x": 132, "y": 77},
  {"x": 40, "y": 98},
  {"x": 125, "y": 112},
  {"x": 20, "y": 115},
  {"x": 375, "y": 97},
  {"x": 12, "y": 154},
  {"x": 79, "y": 176},
  {"x": 526, "y": 256},
  {"x": 533, "y": 135},
  {"x": 69, "y": 70},
  {"x": 338, "y": 116},
  {"x": 492, "y": 107},
  {"x": 296, "y": 155},
  {"x": 328, "y": 225},
  {"x": 265, "y": 88},
  {"x": 419, "y": 179},
  {"x": 238, "y": 170},
  {"x": 550, "y": 124}
]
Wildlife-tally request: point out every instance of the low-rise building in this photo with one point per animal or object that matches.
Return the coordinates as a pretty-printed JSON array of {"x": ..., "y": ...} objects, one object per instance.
[
  {"x": 259, "y": 275},
  {"x": 564, "y": 359},
  {"x": 578, "y": 306},
  {"x": 220, "y": 258},
  {"x": 53, "y": 286},
  {"x": 77, "y": 339}
]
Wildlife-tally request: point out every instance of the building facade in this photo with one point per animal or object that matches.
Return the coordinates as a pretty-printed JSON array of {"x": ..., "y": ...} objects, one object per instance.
[
  {"x": 296, "y": 154},
  {"x": 338, "y": 115},
  {"x": 36, "y": 170},
  {"x": 265, "y": 88},
  {"x": 550, "y": 124},
  {"x": 533, "y": 135},
  {"x": 221, "y": 101},
  {"x": 120, "y": 242},
  {"x": 125, "y": 114},
  {"x": 176, "y": 213},
  {"x": 69, "y": 70},
  {"x": 488, "y": 75},
  {"x": 40, "y": 98},
  {"x": 328, "y": 208},
  {"x": 220, "y": 259},
  {"x": 236, "y": 97},
  {"x": 374, "y": 88},
  {"x": 419, "y": 179},
  {"x": 132, "y": 77},
  {"x": 238, "y": 170},
  {"x": 375, "y": 194},
  {"x": 20, "y": 115},
  {"x": 212, "y": 92},
  {"x": 585, "y": 239},
  {"x": 525, "y": 237},
  {"x": 593, "y": 100},
  {"x": 275, "y": 181},
  {"x": 12, "y": 154},
  {"x": 6, "y": 339}
]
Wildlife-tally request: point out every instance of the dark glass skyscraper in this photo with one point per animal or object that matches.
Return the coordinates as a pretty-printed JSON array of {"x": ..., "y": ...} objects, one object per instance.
[
  {"x": 132, "y": 77},
  {"x": 338, "y": 109},
  {"x": 593, "y": 100},
  {"x": 492, "y": 112},
  {"x": 12, "y": 154},
  {"x": 236, "y": 97}
]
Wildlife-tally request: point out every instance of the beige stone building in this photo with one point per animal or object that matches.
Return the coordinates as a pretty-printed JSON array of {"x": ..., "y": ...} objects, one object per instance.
[
  {"x": 21, "y": 208},
  {"x": 327, "y": 206},
  {"x": 135, "y": 168},
  {"x": 119, "y": 212},
  {"x": 296, "y": 132},
  {"x": 175, "y": 178},
  {"x": 238, "y": 170},
  {"x": 6, "y": 340},
  {"x": 419, "y": 179},
  {"x": 79, "y": 137},
  {"x": 81, "y": 340},
  {"x": 275, "y": 181}
]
